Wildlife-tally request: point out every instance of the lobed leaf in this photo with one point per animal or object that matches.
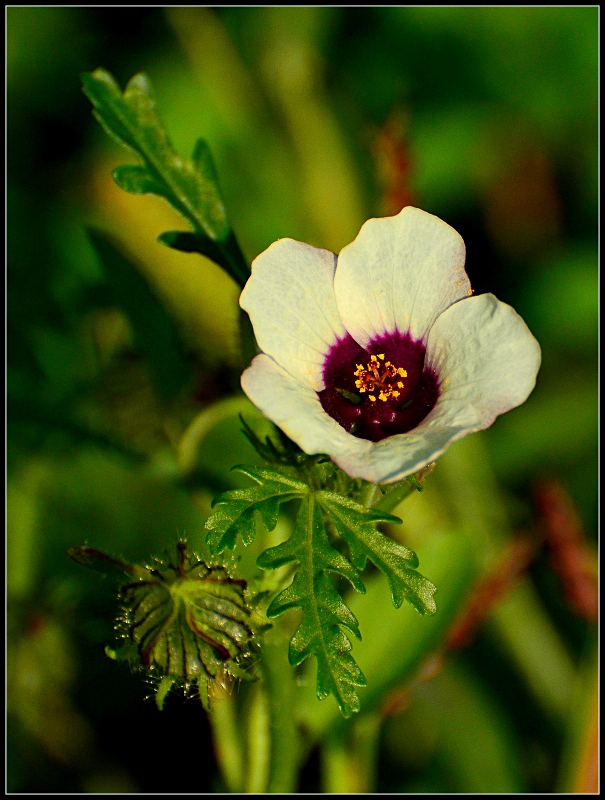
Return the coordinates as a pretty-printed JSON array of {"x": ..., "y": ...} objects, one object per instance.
[
  {"x": 319, "y": 632},
  {"x": 355, "y": 524},
  {"x": 238, "y": 508},
  {"x": 324, "y": 613}
]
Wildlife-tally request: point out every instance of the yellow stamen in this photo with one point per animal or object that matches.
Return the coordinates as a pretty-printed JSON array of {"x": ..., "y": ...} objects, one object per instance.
[{"x": 378, "y": 378}]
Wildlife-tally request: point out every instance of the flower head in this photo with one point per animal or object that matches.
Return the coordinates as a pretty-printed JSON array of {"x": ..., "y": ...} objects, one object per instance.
[{"x": 381, "y": 357}]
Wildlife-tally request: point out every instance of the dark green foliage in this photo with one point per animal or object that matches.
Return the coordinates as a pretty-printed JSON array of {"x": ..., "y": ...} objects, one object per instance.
[
  {"x": 310, "y": 547},
  {"x": 155, "y": 334}
]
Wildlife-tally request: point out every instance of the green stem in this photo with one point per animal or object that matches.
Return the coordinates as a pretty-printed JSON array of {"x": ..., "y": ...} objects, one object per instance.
[
  {"x": 280, "y": 689},
  {"x": 259, "y": 743},
  {"x": 395, "y": 496},
  {"x": 232, "y": 252},
  {"x": 524, "y": 627},
  {"x": 227, "y": 742},
  {"x": 370, "y": 495},
  {"x": 349, "y": 757}
]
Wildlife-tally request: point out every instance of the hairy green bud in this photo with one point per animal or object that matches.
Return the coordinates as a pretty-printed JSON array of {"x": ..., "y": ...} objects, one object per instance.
[{"x": 185, "y": 623}]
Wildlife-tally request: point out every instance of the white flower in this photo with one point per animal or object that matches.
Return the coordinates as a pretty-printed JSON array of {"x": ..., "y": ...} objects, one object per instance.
[{"x": 380, "y": 357}]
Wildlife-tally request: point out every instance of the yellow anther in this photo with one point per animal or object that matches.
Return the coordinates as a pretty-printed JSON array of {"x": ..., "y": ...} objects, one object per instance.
[{"x": 378, "y": 378}]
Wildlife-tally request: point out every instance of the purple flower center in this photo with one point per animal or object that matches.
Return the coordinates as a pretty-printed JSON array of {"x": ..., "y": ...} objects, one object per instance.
[{"x": 380, "y": 391}]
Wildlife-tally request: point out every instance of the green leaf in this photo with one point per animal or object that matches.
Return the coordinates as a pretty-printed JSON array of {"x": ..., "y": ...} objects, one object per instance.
[
  {"x": 319, "y": 632},
  {"x": 202, "y": 158},
  {"x": 136, "y": 180},
  {"x": 165, "y": 686},
  {"x": 355, "y": 524},
  {"x": 189, "y": 185},
  {"x": 237, "y": 509},
  {"x": 396, "y": 641},
  {"x": 312, "y": 590}
]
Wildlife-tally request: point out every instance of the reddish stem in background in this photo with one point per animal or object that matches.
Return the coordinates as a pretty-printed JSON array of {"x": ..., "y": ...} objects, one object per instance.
[
  {"x": 392, "y": 165},
  {"x": 571, "y": 559},
  {"x": 570, "y": 556},
  {"x": 491, "y": 589}
]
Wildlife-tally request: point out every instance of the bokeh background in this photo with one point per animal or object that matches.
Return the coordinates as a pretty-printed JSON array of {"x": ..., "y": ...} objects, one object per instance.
[{"x": 318, "y": 118}]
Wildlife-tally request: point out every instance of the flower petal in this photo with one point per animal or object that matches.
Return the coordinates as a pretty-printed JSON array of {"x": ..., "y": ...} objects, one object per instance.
[
  {"x": 290, "y": 300},
  {"x": 401, "y": 455},
  {"x": 486, "y": 358},
  {"x": 400, "y": 272},
  {"x": 296, "y": 410}
]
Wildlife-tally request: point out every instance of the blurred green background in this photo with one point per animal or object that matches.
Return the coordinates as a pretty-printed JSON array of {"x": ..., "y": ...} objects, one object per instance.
[{"x": 319, "y": 118}]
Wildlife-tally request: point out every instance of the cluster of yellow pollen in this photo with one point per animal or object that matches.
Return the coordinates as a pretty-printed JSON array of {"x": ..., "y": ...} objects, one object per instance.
[{"x": 379, "y": 378}]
